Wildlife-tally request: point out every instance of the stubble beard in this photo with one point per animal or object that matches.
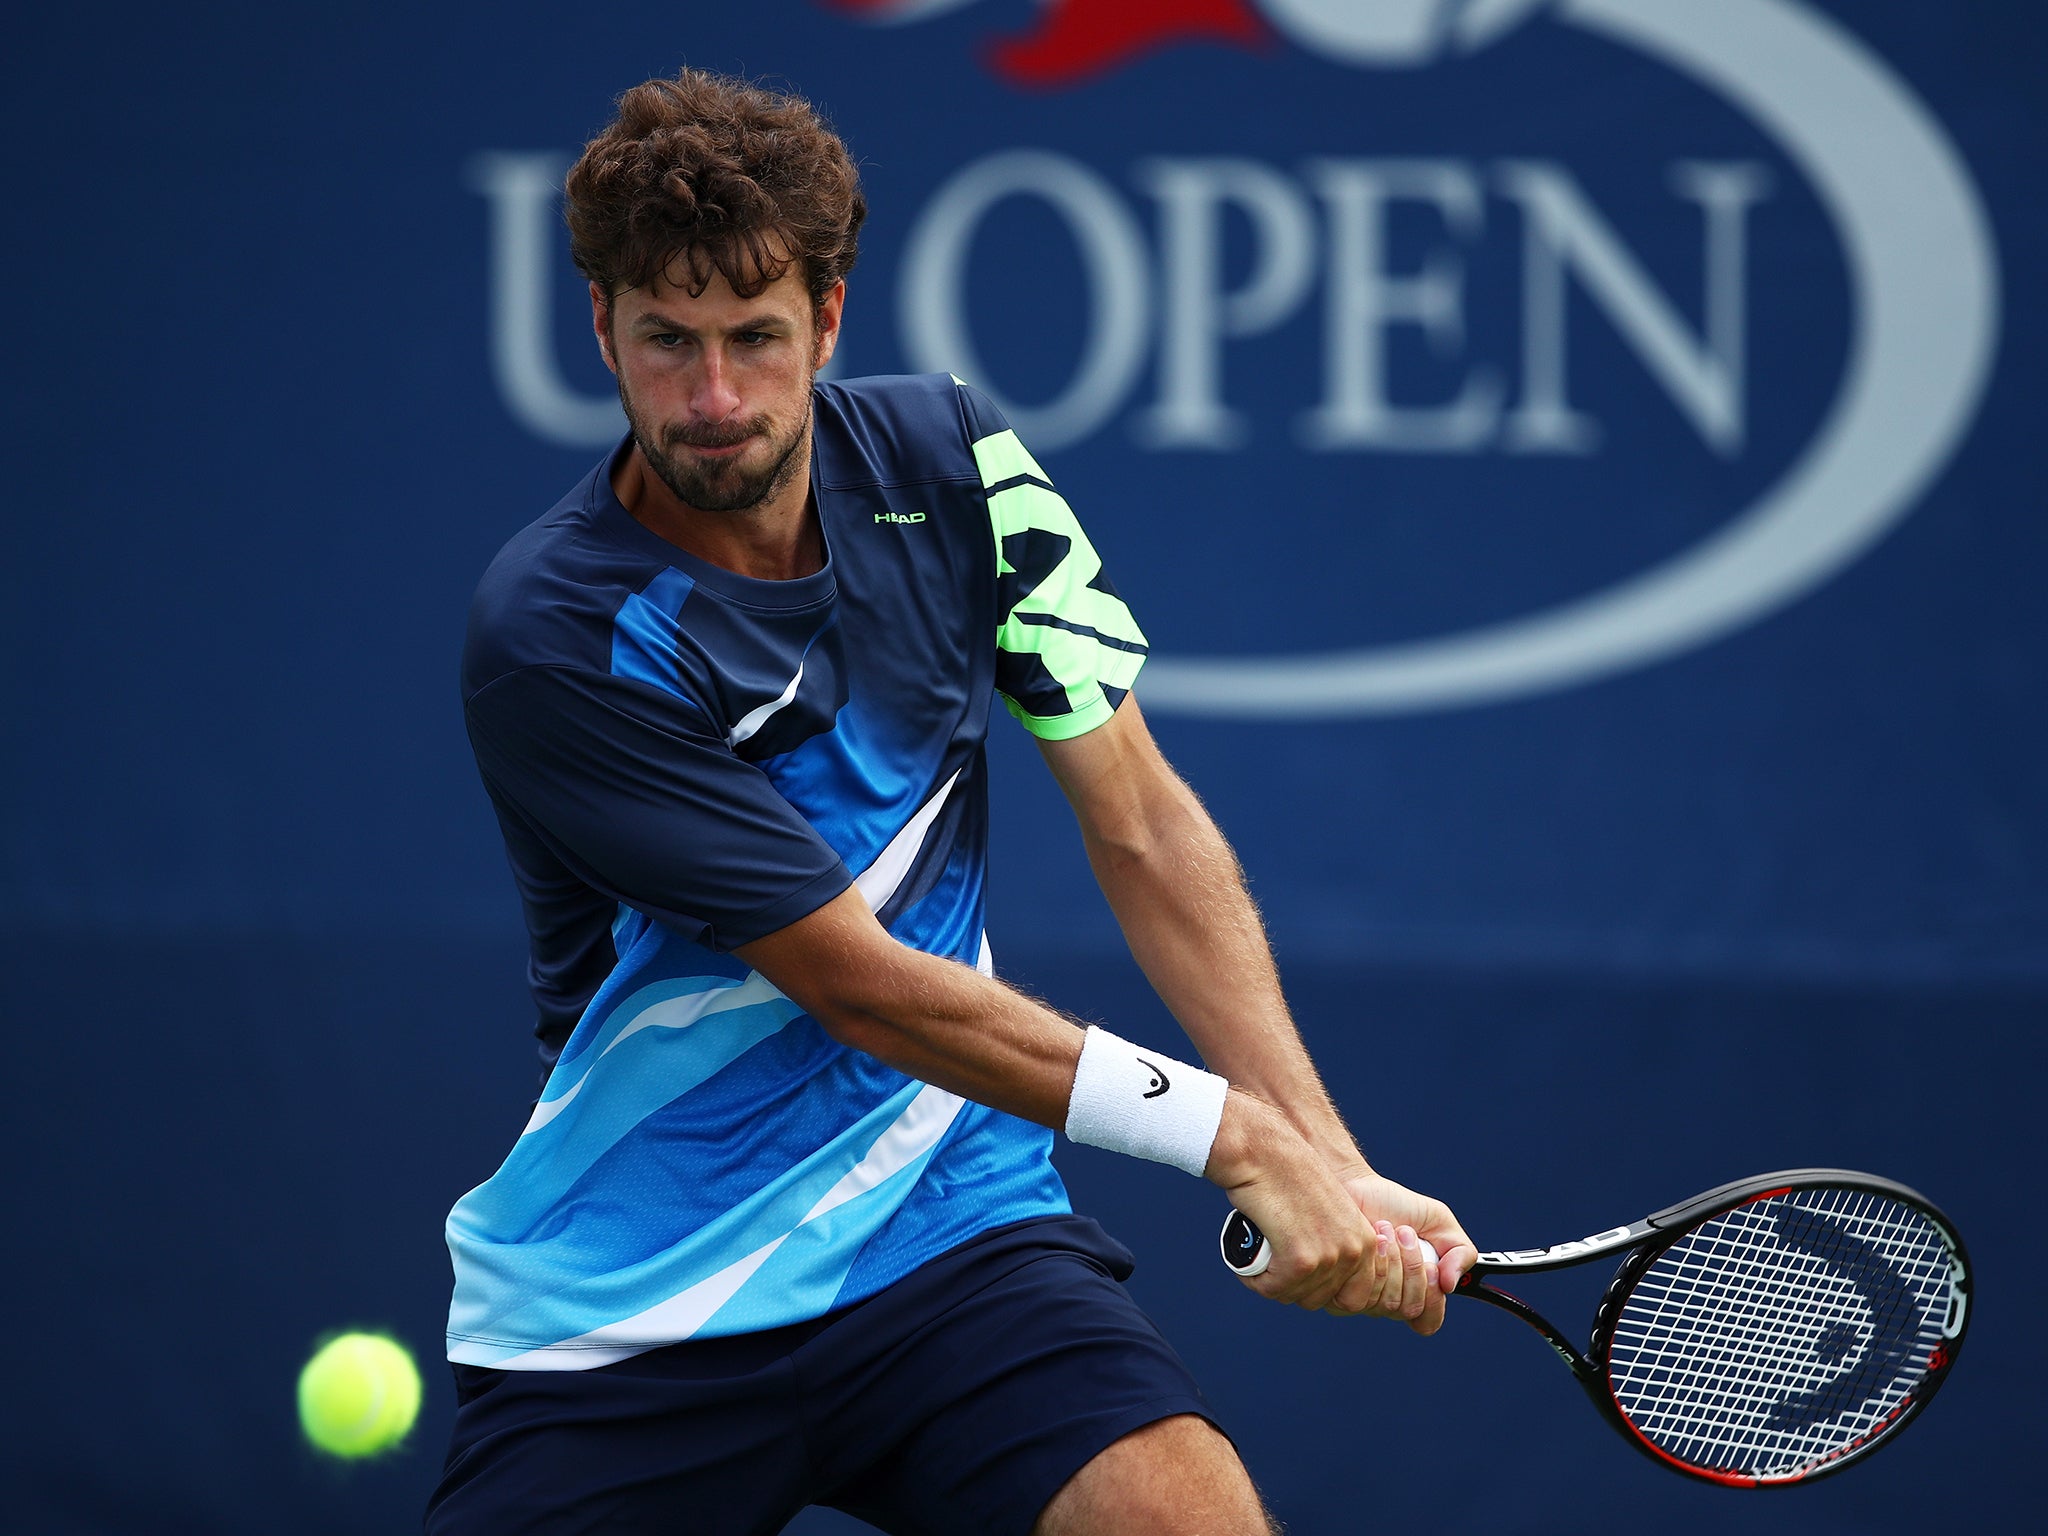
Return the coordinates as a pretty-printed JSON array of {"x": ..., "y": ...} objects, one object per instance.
[{"x": 717, "y": 485}]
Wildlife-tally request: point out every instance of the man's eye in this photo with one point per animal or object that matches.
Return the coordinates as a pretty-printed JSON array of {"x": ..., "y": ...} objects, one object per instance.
[
  {"x": 755, "y": 338},
  {"x": 666, "y": 339}
]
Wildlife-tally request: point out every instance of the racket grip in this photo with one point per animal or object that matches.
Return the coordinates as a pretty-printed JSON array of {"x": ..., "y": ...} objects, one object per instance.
[{"x": 1246, "y": 1252}]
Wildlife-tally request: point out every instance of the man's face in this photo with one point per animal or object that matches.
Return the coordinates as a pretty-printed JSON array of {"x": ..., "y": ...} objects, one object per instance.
[{"x": 717, "y": 388}]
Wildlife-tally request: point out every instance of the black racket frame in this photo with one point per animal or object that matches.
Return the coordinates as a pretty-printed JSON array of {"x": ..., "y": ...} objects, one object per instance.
[{"x": 1645, "y": 1241}]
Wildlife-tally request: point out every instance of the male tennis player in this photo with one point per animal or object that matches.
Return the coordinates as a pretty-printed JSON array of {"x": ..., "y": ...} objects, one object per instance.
[{"x": 782, "y": 1228}]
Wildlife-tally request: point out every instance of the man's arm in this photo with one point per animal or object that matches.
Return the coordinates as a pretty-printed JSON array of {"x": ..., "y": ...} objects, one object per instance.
[
  {"x": 1178, "y": 892},
  {"x": 946, "y": 1024}
]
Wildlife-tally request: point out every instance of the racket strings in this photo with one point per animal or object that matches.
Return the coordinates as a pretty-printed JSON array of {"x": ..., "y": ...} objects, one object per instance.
[{"x": 1772, "y": 1337}]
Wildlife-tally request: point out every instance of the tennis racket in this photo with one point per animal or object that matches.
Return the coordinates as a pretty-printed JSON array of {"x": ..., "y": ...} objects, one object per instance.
[{"x": 1762, "y": 1334}]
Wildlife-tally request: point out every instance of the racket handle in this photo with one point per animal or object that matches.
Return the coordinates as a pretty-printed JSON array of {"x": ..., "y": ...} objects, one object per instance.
[{"x": 1246, "y": 1252}]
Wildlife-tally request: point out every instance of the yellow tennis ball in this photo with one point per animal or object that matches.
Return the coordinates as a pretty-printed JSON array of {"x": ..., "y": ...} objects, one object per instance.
[{"x": 358, "y": 1395}]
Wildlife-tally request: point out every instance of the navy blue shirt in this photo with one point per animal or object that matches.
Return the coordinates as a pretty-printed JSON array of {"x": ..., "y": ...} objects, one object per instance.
[{"x": 684, "y": 759}]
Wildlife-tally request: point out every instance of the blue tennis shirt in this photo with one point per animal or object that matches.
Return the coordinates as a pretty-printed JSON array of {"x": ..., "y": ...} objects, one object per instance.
[{"x": 682, "y": 760}]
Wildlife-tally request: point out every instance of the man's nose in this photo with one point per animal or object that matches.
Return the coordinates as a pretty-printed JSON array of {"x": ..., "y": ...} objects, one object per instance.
[{"x": 714, "y": 398}]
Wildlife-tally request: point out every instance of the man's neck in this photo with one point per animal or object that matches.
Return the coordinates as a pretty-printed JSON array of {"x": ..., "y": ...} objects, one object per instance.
[{"x": 778, "y": 540}]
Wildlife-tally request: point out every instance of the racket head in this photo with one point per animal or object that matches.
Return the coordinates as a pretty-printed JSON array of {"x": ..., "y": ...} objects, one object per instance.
[{"x": 1781, "y": 1329}]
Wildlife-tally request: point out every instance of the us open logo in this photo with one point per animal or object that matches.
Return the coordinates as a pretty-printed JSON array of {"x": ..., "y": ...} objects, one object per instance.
[{"x": 1148, "y": 241}]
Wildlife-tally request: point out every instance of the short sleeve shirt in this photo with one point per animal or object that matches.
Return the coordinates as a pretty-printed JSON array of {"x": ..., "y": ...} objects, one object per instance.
[{"x": 682, "y": 760}]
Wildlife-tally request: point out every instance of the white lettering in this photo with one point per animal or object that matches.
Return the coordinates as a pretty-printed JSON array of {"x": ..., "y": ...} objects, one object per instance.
[
  {"x": 524, "y": 192},
  {"x": 931, "y": 288},
  {"x": 1364, "y": 300},
  {"x": 1564, "y": 233},
  {"x": 1196, "y": 314},
  {"x": 1565, "y": 238}
]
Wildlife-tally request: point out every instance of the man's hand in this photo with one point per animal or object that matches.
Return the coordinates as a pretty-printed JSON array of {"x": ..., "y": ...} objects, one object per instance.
[
  {"x": 1402, "y": 1221},
  {"x": 1323, "y": 1249}
]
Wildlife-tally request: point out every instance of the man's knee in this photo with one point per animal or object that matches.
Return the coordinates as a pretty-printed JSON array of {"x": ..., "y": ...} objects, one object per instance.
[{"x": 1173, "y": 1477}]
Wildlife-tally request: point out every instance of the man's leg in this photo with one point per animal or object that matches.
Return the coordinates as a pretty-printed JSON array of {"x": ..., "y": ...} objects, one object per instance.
[
  {"x": 964, "y": 1399},
  {"x": 1174, "y": 1477}
]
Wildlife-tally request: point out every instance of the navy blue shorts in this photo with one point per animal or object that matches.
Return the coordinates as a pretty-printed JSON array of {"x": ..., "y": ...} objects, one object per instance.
[{"x": 959, "y": 1400}]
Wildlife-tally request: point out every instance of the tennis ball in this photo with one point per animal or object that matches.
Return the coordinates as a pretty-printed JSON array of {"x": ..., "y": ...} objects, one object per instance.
[{"x": 358, "y": 1395}]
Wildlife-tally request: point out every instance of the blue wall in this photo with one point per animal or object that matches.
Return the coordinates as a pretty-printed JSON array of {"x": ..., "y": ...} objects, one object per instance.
[{"x": 1589, "y": 519}]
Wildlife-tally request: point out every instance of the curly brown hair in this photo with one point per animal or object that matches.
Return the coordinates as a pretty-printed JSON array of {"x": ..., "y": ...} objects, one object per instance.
[{"x": 708, "y": 173}]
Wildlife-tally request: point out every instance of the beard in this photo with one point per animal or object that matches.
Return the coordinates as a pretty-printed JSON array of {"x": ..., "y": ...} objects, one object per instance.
[{"x": 718, "y": 485}]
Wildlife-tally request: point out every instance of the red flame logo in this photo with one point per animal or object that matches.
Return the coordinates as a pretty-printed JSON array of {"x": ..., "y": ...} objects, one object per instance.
[{"x": 1078, "y": 39}]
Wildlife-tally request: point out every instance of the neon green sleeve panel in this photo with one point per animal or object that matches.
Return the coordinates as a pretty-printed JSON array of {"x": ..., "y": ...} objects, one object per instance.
[{"x": 1067, "y": 649}]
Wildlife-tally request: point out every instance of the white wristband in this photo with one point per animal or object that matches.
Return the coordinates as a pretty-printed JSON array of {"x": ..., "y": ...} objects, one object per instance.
[{"x": 1144, "y": 1104}]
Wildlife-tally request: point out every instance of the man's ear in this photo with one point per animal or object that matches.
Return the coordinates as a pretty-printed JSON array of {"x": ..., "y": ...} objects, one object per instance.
[
  {"x": 827, "y": 318},
  {"x": 601, "y": 323}
]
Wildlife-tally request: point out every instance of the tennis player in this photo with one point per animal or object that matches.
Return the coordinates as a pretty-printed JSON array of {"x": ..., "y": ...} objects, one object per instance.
[{"x": 782, "y": 1229}]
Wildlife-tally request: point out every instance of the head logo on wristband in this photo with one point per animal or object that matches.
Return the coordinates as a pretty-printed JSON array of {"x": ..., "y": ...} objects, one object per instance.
[
  {"x": 1120, "y": 1101},
  {"x": 1163, "y": 1083}
]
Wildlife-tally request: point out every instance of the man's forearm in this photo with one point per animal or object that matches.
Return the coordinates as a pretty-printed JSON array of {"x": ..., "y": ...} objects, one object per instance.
[
  {"x": 933, "y": 1019},
  {"x": 946, "y": 1024},
  {"x": 1179, "y": 894}
]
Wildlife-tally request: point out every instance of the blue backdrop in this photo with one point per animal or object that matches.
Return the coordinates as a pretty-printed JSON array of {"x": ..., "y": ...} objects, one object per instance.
[{"x": 1576, "y": 460}]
